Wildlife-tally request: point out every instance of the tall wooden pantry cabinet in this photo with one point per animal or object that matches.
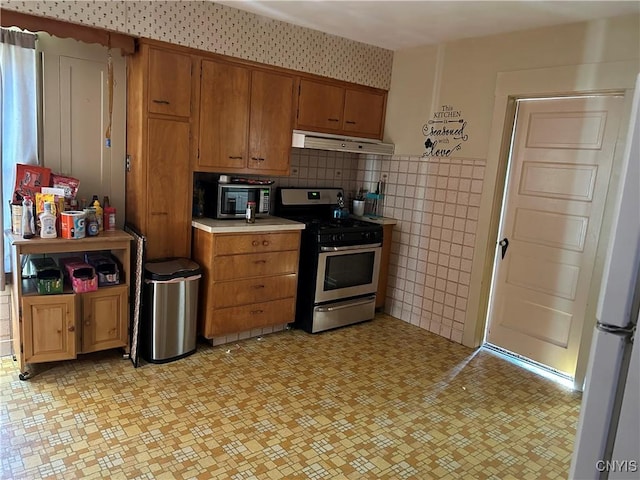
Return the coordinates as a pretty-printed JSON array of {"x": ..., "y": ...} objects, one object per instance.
[{"x": 159, "y": 125}]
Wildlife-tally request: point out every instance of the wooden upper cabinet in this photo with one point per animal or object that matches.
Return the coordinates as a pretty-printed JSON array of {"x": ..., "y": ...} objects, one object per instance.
[
  {"x": 320, "y": 106},
  {"x": 340, "y": 109},
  {"x": 224, "y": 115},
  {"x": 363, "y": 113},
  {"x": 246, "y": 119},
  {"x": 169, "y": 83},
  {"x": 271, "y": 122}
]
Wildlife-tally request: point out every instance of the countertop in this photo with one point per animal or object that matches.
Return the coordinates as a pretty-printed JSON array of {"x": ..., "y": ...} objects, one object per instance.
[
  {"x": 380, "y": 220},
  {"x": 268, "y": 224}
]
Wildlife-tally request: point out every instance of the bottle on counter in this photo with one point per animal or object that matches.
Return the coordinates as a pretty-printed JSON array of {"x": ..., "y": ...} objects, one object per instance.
[
  {"x": 105, "y": 201},
  {"x": 109, "y": 221},
  {"x": 99, "y": 213},
  {"x": 48, "y": 222},
  {"x": 28, "y": 224},
  {"x": 250, "y": 214}
]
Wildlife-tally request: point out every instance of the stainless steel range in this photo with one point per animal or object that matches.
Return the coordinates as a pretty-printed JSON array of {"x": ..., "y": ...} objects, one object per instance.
[{"x": 339, "y": 260}]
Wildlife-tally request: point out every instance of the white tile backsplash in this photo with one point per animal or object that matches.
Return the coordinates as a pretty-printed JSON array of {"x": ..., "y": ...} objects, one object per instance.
[{"x": 435, "y": 201}]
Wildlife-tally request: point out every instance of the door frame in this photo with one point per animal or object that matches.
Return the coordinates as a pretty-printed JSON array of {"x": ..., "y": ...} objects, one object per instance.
[{"x": 574, "y": 80}]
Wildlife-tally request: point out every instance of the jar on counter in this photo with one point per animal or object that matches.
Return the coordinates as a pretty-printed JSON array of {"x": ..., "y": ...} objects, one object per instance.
[
  {"x": 91, "y": 222},
  {"x": 250, "y": 214}
]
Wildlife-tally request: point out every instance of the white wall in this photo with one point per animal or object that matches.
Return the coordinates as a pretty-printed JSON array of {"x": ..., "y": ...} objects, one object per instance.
[{"x": 467, "y": 72}]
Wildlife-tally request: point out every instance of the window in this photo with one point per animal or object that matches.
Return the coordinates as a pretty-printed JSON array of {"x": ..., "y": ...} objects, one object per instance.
[{"x": 18, "y": 120}]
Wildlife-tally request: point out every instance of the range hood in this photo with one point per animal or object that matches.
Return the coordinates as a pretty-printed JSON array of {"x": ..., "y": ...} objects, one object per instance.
[{"x": 325, "y": 141}]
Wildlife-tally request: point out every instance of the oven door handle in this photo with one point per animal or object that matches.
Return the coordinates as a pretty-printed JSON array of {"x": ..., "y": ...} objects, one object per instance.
[
  {"x": 350, "y": 247},
  {"x": 355, "y": 303}
]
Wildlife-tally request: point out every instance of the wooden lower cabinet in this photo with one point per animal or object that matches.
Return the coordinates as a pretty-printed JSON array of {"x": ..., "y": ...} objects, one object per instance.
[
  {"x": 249, "y": 280},
  {"x": 242, "y": 318},
  {"x": 49, "y": 324},
  {"x": 58, "y": 327},
  {"x": 104, "y": 319}
]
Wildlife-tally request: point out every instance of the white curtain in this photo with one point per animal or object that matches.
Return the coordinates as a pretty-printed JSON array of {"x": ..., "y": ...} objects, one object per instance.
[{"x": 18, "y": 122}]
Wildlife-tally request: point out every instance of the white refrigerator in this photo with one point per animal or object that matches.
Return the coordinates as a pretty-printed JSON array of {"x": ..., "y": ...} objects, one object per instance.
[{"x": 607, "y": 444}]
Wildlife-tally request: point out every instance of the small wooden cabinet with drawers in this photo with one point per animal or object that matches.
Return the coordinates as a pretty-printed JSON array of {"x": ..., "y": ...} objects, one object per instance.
[{"x": 249, "y": 280}]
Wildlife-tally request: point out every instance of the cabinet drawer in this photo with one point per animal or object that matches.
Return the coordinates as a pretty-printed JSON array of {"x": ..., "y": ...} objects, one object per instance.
[
  {"x": 231, "y": 267},
  {"x": 244, "y": 318},
  {"x": 254, "y": 243},
  {"x": 263, "y": 289}
]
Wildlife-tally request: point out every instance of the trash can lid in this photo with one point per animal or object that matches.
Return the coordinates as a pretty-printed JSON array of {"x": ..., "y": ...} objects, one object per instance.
[{"x": 170, "y": 268}]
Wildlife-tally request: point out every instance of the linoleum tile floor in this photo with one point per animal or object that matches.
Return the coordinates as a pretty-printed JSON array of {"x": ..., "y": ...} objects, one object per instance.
[{"x": 381, "y": 399}]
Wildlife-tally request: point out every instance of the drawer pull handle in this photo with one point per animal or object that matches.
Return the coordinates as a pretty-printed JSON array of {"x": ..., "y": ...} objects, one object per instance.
[
  {"x": 257, "y": 159},
  {"x": 333, "y": 119},
  {"x": 72, "y": 328},
  {"x": 161, "y": 102},
  {"x": 255, "y": 243},
  {"x": 232, "y": 157},
  {"x": 260, "y": 261},
  {"x": 256, "y": 312},
  {"x": 257, "y": 287},
  {"x": 350, "y": 122},
  {"x": 265, "y": 243}
]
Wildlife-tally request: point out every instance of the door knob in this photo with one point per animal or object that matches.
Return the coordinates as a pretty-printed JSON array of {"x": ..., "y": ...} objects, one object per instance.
[{"x": 504, "y": 243}]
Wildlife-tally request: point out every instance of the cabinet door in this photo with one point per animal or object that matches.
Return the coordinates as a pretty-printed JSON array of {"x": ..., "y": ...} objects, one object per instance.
[
  {"x": 168, "y": 187},
  {"x": 224, "y": 116},
  {"x": 105, "y": 319},
  {"x": 363, "y": 113},
  {"x": 320, "y": 106},
  {"x": 271, "y": 122},
  {"x": 169, "y": 83},
  {"x": 49, "y": 325}
]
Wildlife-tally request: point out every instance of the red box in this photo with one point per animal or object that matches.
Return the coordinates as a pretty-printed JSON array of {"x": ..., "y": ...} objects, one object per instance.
[{"x": 80, "y": 275}]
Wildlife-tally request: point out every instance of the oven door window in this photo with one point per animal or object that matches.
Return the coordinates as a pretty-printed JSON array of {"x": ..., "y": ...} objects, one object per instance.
[
  {"x": 349, "y": 270},
  {"x": 346, "y": 274}
]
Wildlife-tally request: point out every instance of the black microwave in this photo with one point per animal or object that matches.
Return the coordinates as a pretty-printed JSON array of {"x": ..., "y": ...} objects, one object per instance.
[{"x": 232, "y": 199}]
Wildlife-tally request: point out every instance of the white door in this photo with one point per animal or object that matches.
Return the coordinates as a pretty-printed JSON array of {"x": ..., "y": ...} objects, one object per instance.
[
  {"x": 561, "y": 156},
  {"x": 75, "y": 106}
]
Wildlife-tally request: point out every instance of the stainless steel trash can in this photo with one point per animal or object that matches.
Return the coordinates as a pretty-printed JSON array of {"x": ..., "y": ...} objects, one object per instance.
[{"x": 170, "y": 309}]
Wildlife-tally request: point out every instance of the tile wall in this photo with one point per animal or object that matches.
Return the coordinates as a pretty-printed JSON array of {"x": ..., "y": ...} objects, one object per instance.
[
  {"x": 316, "y": 168},
  {"x": 436, "y": 203}
]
